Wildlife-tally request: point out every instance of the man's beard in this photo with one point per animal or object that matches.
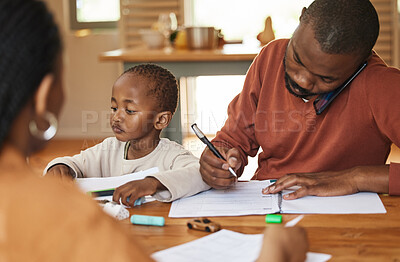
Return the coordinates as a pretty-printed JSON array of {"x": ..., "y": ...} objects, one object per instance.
[{"x": 291, "y": 85}]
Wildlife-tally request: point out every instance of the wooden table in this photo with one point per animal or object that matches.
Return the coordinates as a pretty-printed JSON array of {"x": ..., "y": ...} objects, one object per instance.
[
  {"x": 232, "y": 59},
  {"x": 366, "y": 237}
]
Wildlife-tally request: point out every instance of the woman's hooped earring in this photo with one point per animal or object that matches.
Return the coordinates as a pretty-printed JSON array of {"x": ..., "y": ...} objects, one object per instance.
[{"x": 50, "y": 132}]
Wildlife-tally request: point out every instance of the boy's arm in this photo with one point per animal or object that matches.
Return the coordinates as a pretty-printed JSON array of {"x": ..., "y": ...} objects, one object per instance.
[
  {"x": 180, "y": 183},
  {"x": 92, "y": 162},
  {"x": 182, "y": 180},
  {"x": 62, "y": 171},
  {"x": 74, "y": 165}
]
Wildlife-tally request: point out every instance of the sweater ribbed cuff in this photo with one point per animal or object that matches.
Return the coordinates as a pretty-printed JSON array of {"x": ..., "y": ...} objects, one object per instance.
[{"x": 394, "y": 179}]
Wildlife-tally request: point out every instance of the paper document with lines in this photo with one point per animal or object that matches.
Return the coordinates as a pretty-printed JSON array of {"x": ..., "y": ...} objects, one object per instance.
[
  {"x": 245, "y": 198},
  {"x": 224, "y": 245}
]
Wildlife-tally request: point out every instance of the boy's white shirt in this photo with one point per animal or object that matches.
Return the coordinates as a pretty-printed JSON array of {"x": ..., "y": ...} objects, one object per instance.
[{"x": 179, "y": 168}]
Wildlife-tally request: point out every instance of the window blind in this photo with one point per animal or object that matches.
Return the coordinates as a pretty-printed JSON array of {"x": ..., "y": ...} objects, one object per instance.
[
  {"x": 141, "y": 14},
  {"x": 387, "y": 43}
]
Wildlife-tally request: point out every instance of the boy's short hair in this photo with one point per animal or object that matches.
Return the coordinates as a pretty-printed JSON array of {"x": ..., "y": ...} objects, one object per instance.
[{"x": 162, "y": 85}]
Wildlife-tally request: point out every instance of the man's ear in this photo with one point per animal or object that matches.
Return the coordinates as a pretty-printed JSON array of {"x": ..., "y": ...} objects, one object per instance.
[
  {"x": 162, "y": 120},
  {"x": 42, "y": 94},
  {"x": 370, "y": 55},
  {"x": 302, "y": 13}
]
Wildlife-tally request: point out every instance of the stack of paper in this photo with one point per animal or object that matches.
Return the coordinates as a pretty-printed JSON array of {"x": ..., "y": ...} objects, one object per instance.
[
  {"x": 102, "y": 183},
  {"x": 246, "y": 199}
]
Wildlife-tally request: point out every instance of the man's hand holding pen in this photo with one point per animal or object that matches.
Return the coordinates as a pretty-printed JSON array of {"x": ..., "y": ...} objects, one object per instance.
[{"x": 215, "y": 171}]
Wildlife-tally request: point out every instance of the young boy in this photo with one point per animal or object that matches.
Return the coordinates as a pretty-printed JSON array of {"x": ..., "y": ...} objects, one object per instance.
[{"x": 144, "y": 98}]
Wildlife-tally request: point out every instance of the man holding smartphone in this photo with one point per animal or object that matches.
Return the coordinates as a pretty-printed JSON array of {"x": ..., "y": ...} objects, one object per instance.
[{"x": 323, "y": 107}]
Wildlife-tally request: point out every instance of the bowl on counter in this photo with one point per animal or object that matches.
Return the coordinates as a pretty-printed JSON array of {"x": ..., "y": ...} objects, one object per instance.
[
  {"x": 152, "y": 38},
  {"x": 201, "y": 37}
]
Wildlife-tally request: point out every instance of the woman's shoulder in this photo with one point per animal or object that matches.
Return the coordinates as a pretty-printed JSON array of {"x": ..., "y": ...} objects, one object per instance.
[
  {"x": 55, "y": 215},
  {"x": 37, "y": 191}
]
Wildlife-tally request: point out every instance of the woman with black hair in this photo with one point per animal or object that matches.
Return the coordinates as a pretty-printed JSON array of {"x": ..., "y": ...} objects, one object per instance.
[{"x": 40, "y": 218}]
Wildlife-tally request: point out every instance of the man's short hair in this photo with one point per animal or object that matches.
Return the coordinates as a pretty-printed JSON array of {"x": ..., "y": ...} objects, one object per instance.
[{"x": 343, "y": 26}]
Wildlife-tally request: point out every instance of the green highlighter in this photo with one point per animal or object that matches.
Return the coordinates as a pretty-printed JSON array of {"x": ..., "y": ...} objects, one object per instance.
[{"x": 272, "y": 218}]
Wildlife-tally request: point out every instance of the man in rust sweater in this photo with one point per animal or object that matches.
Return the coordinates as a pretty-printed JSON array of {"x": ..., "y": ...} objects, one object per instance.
[{"x": 326, "y": 146}]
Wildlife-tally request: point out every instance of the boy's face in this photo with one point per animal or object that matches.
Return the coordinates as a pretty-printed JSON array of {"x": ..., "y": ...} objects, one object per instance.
[{"x": 132, "y": 112}]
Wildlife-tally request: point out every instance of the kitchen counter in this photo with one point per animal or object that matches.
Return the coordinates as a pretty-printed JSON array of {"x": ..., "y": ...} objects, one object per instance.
[
  {"x": 231, "y": 52},
  {"x": 232, "y": 59}
]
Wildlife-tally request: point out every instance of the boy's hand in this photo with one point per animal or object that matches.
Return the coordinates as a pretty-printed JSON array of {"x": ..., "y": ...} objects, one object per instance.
[
  {"x": 62, "y": 171},
  {"x": 136, "y": 189},
  {"x": 284, "y": 244},
  {"x": 214, "y": 170}
]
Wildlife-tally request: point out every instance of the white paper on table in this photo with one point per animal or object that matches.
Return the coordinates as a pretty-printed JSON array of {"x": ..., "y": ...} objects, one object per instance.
[
  {"x": 359, "y": 203},
  {"x": 102, "y": 183},
  {"x": 245, "y": 198},
  {"x": 224, "y": 245}
]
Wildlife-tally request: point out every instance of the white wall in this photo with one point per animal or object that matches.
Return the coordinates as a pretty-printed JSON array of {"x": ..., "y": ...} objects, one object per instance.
[{"x": 87, "y": 81}]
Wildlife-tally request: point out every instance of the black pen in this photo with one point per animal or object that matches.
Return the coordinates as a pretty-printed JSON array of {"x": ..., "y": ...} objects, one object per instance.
[{"x": 205, "y": 140}]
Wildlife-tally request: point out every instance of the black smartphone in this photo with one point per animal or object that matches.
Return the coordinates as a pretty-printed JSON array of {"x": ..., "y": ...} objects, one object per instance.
[{"x": 324, "y": 100}]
